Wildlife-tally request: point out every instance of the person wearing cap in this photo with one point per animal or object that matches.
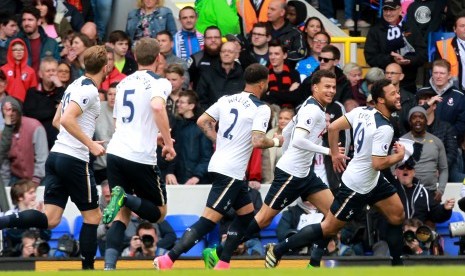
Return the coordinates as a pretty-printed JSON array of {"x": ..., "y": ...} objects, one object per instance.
[
  {"x": 451, "y": 106},
  {"x": 431, "y": 165},
  {"x": 444, "y": 131},
  {"x": 390, "y": 40},
  {"x": 417, "y": 200}
]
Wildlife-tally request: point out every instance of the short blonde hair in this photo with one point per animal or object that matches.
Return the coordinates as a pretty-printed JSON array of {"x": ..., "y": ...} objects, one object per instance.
[
  {"x": 141, "y": 5},
  {"x": 95, "y": 58}
]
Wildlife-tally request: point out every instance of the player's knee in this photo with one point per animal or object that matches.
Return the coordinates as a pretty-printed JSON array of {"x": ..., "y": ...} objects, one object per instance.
[
  {"x": 397, "y": 218},
  {"x": 53, "y": 222}
]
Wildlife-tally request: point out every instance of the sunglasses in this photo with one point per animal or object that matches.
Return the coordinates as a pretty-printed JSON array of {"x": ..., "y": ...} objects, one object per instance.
[{"x": 322, "y": 59}]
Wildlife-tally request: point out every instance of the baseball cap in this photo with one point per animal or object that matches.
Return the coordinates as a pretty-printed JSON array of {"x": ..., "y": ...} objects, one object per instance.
[
  {"x": 391, "y": 4},
  {"x": 417, "y": 109}
]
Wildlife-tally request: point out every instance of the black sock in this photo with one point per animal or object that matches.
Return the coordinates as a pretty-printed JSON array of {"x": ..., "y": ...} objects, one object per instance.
[
  {"x": 318, "y": 251},
  {"x": 88, "y": 244},
  {"x": 394, "y": 240},
  {"x": 305, "y": 236},
  {"x": 115, "y": 237},
  {"x": 143, "y": 208},
  {"x": 252, "y": 229},
  {"x": 25, "y": 219},
  {"x": 191, "y": 236},
  {"x": 235, "y": 235}
]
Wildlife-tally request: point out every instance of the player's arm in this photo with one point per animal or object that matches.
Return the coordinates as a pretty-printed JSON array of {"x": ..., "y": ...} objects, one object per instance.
[
  {"x": 301, "y": 141},
  {"x": 69, "y": 121},
  {"x": 57, "y": 117},
  {"x": 161, "y": 119},
  {"x": 259, "y": 140},
  {"x": 207, "y": 124},
  {"x": 338, "y": 158},
  {"x": 381, "y": 140}
]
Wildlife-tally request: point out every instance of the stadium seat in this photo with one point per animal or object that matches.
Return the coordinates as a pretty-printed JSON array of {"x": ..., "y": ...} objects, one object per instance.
[
  {"x": 443, "y": 229},
  {"x": 268, "y": 234},
  {"x": 433, "y": 37},
  {"x": 180, "y": 223},
  {"x": 78, "y": 221},
  {"x": 61, "y": 229}
]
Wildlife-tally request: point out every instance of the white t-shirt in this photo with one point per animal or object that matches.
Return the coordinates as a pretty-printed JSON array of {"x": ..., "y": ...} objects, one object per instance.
[
  {"x": 84, "y": 93},
  {"x": 372, "y": 137},
  {"x": 135, "y": 137},
  {"x": 311, "y": 117},
  {"x": 238, "y": 116}
]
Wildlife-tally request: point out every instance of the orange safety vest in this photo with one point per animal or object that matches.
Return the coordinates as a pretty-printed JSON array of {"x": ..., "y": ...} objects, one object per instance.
[
  {"x": 447, "y": 52},
  {"x": 249, "y": 17}
]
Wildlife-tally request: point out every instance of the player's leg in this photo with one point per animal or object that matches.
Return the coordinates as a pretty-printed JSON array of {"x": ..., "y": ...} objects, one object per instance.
[
  {"x": 114, "y": 238},
  {"x": 223, "y": 192},
  {"x": 391, "y": 207}
]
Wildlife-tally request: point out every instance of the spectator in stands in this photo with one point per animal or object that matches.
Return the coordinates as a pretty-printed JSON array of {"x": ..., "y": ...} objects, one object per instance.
[
  {"x": 79, "y": 44},
  {"x": 28, "y": 241},
  {"x": 148, "y": 19},
  {"x": 296, "y": 13},
  {"x": 295, "y": 218},
  {"x": 260, "y": 37},
  {"x": 271, "y": 156},
  {"x": 445, "y": 132},
  {"x": 284, "y": 32},
  {"x": 3, "y": 94},
  {"x": 52, "y": 25},
  {"x": 5, "y": 142},
  {"x": 373, "y": 74},
  {"x": 29, "y": 148},
  {"x": 283, "y": 79},
  {"x": 307, "y": 66},
  {"x": 452, "y": 107},
  {"x": 313, "y": 25},
  {"x": 418, "y": 201},
  {"x": 245, "y": 57},
  {"x": 148, "y": 240},
  {"x": 103, "y": 201},
  {"x": 353, "y": 73},
  {"x": 165, "y": 40},
  {"x": 394, "y": 73},
  {"x": 84, "y": 7},
  {"x": 251, "y": 13},
  {"x": 223, "y": 77},
  {"x": 206, "y": 57},
  {"x": 114, "y": 74},
  {"x": 8, "y": 29},
  {"x": 68, "y": 11},
  {"x": 120, "y": 42},
  {"x": 175, "y": 74},
  {"x": 20, "y": 76},
  {"x": 64, "y": 73},
  {"x": 41, "y": 102},
  {"x": 391, "y": 41},
  {"x": 23, "y": 196},
  {"x": 38, "y": 43},
  {"x": 105, "y": 127},
  {"x": 102, "y": 12},
  {"x": 193, "y": 148},
  {"x": 431, "y": 165},
  {"x": 89, "y": 29},
  {"x": 188, "y": 40},
  {"x": 454, "y": 11},
  {"x": 349, "y": 8},
  {"x": 426, "y": 16}
]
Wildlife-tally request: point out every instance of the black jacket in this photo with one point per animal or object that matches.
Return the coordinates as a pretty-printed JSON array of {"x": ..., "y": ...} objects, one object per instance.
[
  {"x": 215, "y": 83},
  {"x": 446, "y": 133},
  {"x": 197, "y": 63},
  {"x": 290, "y": 37}
]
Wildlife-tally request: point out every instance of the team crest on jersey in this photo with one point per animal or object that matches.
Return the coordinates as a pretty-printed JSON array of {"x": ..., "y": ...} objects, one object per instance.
[
  {"x": 385, "y": 147},
  {"x": 309, "y": 121},
  {"x": 450, "y": 102},
  {"x": 265, "y": 124},
  {"x": 85, "y": 101},
  {"x": 9, "y": 73},
  {"x": 24, "y": 76}
]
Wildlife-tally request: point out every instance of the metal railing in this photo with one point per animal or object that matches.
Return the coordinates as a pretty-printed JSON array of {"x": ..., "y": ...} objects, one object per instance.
[{"x": 347, "y": 41}]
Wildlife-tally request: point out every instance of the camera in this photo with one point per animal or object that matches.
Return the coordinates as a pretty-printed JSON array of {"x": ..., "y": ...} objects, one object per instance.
[
  {"x": 423, "y": 234},
  {"x": 147, "y": 241},
  {"x": 42, "y": 247}
]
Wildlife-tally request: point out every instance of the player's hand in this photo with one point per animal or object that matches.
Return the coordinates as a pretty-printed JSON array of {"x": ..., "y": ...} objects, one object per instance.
[
  {"x": 280, "y": 137},
  {"x": 449, "y": 204},
  {"x": 161, "y": 142},
  {"x": 192, "y": 181},
  {"x": 170, "y": 179},
  {"x": 399, "y": 149},
  {"x": 97, "y": 148},
  {"x": 168, "y": 153},
  {"x": 339, "y": 162}
]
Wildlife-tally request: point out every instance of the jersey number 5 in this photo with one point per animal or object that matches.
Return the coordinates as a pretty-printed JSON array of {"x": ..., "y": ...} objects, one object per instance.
[
  {"x": 227, "y": 134},
  {"x": 359, "y": 135},
  {"x": 128, "y": 103}
]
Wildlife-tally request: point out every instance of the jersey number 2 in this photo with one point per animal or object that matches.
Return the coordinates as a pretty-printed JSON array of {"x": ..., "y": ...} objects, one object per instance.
[
  {"x": 359, "y": 135},
  {"x": 130, "y": 104},
  {"x": 227, "y": 134}
]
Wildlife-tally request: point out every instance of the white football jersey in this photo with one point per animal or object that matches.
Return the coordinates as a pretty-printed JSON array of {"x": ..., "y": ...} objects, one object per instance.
[
  {"x": 372, "y": 136},
  {"x": 84, "y": 93},
  {"x": 135, "y": 137},
  {"x": 238, "y": 116},
  {"x": 311, "y": 117}
]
